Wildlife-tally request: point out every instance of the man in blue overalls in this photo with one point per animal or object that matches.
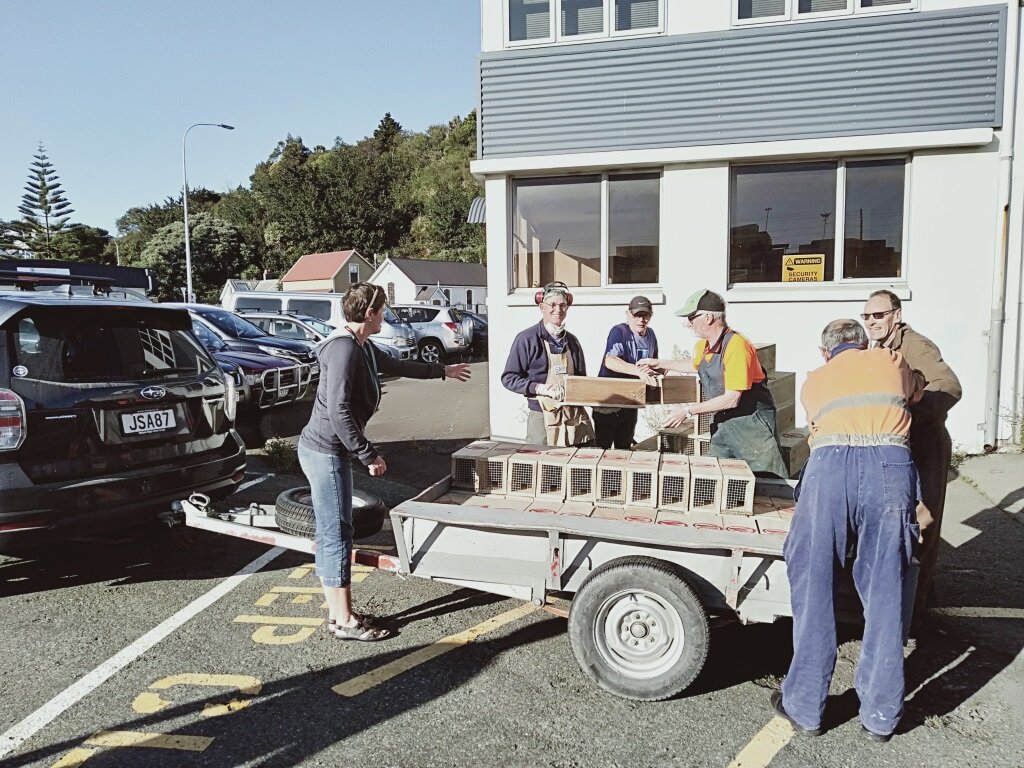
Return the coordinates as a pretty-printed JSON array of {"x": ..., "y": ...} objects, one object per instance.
[{"x": 733, "y": 387}]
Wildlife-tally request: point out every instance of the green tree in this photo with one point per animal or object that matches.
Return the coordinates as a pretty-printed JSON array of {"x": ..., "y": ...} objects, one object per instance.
[
  {"x": 84, "y": 243},
  {"x": 44, "y": 208},
  {"x": 219, "y": 253},
  {"x": 138, "y": 225}
]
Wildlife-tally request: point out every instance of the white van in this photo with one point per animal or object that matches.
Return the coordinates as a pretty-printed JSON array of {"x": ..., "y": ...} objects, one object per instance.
[{"x": 395, "y": 334}]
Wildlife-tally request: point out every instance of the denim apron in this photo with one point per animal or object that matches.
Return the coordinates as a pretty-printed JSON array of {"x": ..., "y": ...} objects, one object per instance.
[{"x": 747, "y": 431}]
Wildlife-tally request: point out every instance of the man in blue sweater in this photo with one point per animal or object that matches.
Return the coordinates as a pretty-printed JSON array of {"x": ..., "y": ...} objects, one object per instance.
[
  {"x": 540, "y": 357},
  {"x": 627, "y": 343}
]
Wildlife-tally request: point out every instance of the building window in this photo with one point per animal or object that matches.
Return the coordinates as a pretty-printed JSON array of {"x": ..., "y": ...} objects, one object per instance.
[
  {"x": 469, "y": 298},
  {"x": 587, "y": 231},
  {"x": 447, "y": 295},
  {"x": 784, "y": 218},
  {"x": 353, "y": 274},
  {"x": 751, "y": 11},
  {"x": 547, "y": 21},
  {"x": 391, "y": 293}
]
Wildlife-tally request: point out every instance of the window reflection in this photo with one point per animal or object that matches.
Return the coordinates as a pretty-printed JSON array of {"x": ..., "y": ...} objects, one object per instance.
[
  {"x": 633, "y": 229},
  {"x": 874, "y": 219}
]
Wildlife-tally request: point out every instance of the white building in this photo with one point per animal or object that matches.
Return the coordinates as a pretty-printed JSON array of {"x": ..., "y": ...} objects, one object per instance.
[
  {"x": 662, "y": 146},
  {"x": 443, "y": 283}
]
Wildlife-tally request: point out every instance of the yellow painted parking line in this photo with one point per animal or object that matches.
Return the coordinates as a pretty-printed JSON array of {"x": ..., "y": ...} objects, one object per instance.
[
  {"x": 382, "y": 674},
  {"x": 301, "y": 572},
  {"x": 298, "y": 590},
  {"x": 156, "y": 740},
  {"x": 292, "y": 620},
  {"x": 761, "y": 749},
  {"x": 75, "y": 758},
  {"x": 266, "y": 600}
]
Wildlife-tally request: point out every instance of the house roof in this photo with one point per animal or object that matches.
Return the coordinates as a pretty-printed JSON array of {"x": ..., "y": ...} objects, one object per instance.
[
  {"x": 318, "y": 266},
  {"x": 427, "y": 293},
  {"x": 427, "y": 272},
  {"x": 253, "y": 285}
]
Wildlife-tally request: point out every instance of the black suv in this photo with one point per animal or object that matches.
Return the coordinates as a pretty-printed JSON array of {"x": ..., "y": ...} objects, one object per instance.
[{"x": 109, "y": 410}]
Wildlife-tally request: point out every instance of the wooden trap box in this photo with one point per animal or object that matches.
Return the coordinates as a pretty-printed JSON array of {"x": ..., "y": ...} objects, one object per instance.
[
  {"x": 523, "y": 468},
  {"x": 674, "y": 483},
  {"x": 642, "y": 479},
  {"x": 575, "y": 509},
  {"x": 552, "y": 473},
  {"x": 739, "y": 524},
  {"x": 639, "y": 515},
  {"x": 499, "y": 502},
  {"x": 582, "y": 483},
  {"x": 469, "y": 464},
  {"x": 766, "y": 356},
  {"x": 492, "y": 477},
  {"x": 605, "y": 392},
  {"x": 737, "y": 487},
  {"x": 542, "y": 507},
  {"x": 669, "y": 517},
  {"x": 697, "y": 445},
  {"x": 782, "y": 385},
  {"x": 684, "y": 388},
  {"x": 612, "y": 477},
  {"x": 705, "y": 484}
]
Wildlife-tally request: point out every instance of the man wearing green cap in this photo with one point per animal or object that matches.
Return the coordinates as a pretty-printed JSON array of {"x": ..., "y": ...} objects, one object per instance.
[{"x": 734, "y": 387}]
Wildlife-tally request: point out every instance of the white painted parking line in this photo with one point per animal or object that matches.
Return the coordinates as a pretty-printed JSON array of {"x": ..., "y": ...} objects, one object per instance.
[
  {"x": 74, "y": 693},
  {"x": 251, "y": 483},
  {"x": 981, "y": 613}
]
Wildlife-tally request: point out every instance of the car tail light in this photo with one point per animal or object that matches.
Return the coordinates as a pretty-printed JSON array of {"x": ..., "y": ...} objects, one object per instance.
[
  {"x": 453, "y": 327},
  {"x": 230, "y": 398},
  {"x": 12, "y": 421}
]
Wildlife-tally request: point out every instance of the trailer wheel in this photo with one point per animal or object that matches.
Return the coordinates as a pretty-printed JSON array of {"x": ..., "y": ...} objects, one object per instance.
[
  {"x": 295, "y": 513},
  {"x": 638, "y": 629}
]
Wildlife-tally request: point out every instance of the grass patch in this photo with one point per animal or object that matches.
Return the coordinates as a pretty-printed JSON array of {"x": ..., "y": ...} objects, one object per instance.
[{"x": 935, "y": 721}]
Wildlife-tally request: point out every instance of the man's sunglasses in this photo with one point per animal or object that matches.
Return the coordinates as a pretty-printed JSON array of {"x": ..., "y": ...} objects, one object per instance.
[{"x": 876, "y": 315}]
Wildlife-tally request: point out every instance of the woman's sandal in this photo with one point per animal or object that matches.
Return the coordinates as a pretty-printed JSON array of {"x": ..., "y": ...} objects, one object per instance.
[
  {"x": 365, "y": 619},
  {"x": 362, "y": 632}
]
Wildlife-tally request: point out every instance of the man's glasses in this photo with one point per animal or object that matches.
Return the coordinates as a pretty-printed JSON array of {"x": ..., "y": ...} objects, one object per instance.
[
  {"x": 690, "y": 318},
  {"x": 876, "y": 315},
  {"x": 559, "y": 307}
]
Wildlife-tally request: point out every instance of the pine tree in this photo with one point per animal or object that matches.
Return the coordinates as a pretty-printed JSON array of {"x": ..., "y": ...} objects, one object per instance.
[{"x": 44, "y": 209}]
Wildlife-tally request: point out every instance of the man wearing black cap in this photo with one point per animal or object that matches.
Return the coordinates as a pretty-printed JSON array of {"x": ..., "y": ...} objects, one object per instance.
[
  {"x": 733, "y": 385},
  {"x": 627, "y": 344}
]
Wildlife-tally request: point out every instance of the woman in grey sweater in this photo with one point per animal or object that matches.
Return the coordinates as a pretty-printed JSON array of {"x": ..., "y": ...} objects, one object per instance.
[{"x": 346, "y": 397}]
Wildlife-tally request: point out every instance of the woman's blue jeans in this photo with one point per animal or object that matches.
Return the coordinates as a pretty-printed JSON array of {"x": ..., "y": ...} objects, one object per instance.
[{"x": 330, "y": 484}]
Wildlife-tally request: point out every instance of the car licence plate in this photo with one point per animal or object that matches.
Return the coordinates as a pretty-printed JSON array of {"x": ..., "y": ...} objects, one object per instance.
[{"x": 147, "y": 421}]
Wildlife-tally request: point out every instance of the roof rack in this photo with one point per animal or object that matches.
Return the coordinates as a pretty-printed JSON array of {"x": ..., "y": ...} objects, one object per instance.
[{"x": 30, "y": 281}]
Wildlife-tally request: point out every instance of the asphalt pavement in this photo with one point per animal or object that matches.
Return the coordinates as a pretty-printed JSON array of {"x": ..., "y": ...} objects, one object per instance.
[{"x": 185, "y": 646}]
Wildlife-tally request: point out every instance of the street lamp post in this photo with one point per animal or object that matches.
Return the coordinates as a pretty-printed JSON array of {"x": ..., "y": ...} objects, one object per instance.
[{"x": 189, "y": 295}]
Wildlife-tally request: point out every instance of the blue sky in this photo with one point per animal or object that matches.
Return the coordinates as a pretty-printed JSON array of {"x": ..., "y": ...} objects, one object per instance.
[{"x": 117, "y": 82}]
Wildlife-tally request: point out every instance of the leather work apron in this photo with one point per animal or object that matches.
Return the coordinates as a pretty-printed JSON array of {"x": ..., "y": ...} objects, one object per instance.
[{"x": 565, "y": 425}]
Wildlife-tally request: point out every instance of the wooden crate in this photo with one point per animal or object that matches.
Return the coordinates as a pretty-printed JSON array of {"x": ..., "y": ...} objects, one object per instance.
[
  {"x": 795, "y": 450},
  {"x": 669, "y": 517},
  {"x": 582, "y": 483},
  {"x": 785, "y": 417},
  {"x": 639, "y": 515},
  {"x": 705, "y": 484},
  {"x": 609, "y": 513},
  {"x": 611, "y": 478},
  {"x": 522, "y": 472},
  {"x": 642, "y": 479},
  {"x": 675, "y": 389},
  {"x": 782, "y": 385},
  {"x": 499, "y": 502},
  {"x": 543, "y": 507},
  {"x": 766, "y": 356},
  {"x": 674, "y": 483},
  {"x": 740, "y": 524},
  {"x": 737, "y": 487},
  {"x": 605, "y": 392},
  {"x": 552, "y": 473},
  {"x": 469, "y": 464}
]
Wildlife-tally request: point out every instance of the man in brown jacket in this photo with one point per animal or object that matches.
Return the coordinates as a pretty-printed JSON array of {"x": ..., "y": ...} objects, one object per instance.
[{"x": 930, "y": 443}]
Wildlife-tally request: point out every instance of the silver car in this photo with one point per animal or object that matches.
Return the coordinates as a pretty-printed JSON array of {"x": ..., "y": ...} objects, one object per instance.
[
  {"x": 441, "y": 332},
  {"x": 399, "y": 342}
]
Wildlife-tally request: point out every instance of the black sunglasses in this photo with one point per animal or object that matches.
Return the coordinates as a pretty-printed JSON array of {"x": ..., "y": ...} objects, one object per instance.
[{"x": 877, "y": 315}]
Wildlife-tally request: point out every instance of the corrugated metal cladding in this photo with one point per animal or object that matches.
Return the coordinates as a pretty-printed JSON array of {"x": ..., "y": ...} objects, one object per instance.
[{"x": 884, "y": 74}]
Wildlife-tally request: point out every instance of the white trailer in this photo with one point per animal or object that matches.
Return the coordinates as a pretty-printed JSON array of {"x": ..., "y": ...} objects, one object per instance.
[{"x": 642, "y": 595}]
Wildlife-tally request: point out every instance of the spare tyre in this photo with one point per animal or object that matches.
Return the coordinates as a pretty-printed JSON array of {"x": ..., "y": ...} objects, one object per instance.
[{"x": 295, "y": 513}]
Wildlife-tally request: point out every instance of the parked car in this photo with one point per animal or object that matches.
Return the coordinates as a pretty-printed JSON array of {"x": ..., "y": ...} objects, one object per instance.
[
  {"x": 479, "y": 343},
  {"x": 395, "y": 337},
  {"x": 266, "y": 380},
  {"x": 242, "y": 336},
  {"x": 441, "y": 332},
  {"x": 109, "y": 410},
  {"x": 289, "y": 326}
]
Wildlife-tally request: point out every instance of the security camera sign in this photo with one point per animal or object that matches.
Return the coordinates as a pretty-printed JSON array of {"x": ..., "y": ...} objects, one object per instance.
[{"x": 805, "y": 268}]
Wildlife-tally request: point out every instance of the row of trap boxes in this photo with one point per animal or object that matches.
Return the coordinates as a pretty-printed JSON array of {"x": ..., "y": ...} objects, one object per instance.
[{"x": 605, "y": 478}]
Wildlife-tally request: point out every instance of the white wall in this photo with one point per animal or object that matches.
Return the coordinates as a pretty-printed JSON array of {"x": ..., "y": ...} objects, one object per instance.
[
  {"x": 405, "y": 291},
  {"x": 953, "y": 223}
]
